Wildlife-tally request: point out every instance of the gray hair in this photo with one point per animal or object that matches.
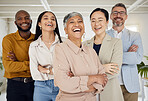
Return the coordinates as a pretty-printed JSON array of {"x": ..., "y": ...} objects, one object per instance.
[{"x": 68, "y": 16}]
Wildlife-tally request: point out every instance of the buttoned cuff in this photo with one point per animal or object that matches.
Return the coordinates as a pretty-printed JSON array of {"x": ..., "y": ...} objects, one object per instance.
[
  {"x": 98, "y": 87},
  {"x": 83, "y": 83}
]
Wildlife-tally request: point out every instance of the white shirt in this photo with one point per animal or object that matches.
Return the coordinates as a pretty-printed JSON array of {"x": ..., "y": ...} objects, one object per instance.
[
  {"x": 119, "y": 36},
  {"x": 40, "y": 54}
]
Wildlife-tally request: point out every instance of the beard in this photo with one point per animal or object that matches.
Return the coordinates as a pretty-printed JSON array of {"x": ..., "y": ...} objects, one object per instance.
[
  {"x": 26, "y": 30},
  {"x": 117, "y": 23}
]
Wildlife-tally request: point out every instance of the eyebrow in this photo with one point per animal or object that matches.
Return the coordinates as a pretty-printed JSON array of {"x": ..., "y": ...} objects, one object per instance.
[
  {"x": 98, "y": 18},
  {"x": 47, "y": 16}
]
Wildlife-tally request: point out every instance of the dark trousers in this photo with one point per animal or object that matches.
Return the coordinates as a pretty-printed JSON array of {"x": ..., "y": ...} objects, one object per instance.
[{"x": 19, "y": 91}]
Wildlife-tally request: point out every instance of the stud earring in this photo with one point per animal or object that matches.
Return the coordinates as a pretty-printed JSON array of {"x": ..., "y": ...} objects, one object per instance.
[{"x": 40, "y": 27}]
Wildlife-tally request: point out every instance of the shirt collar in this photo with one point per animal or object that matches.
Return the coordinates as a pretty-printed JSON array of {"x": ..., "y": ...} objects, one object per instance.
[
  {"x": 18, "y": 37},
  {"x": 117, "y": 32},
  {"x": 41, "y": 43},
  {"x": 75, "y": 48}
]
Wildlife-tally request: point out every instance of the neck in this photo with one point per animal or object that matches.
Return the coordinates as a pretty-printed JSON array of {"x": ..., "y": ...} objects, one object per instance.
[
  {"x": 76, "y": 41},
  {"x": 25, "y": 35},
  {"x": 118, "y": 28},
  {"x": 99, "y": 38},
  {"x": 48, "y": 37}
]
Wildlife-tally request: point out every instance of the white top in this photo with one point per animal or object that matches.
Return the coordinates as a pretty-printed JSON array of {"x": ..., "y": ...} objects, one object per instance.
[
  {"x": 119, "y": 36},
  {"x": 40, "y": 54}
]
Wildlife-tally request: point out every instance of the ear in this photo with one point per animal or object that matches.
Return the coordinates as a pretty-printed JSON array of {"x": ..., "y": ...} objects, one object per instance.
[
  {"x": 126, "y": 17},
  {"x": 66, "y": 31},
  {"x": 15, "y": 22},
  {"x": 39, "y": 24}
]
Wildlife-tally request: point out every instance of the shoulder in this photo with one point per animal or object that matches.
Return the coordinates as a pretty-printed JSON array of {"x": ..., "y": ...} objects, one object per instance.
[
  {"x": 34, "y": 43},
  {"x": 133, "y": 33},
  {"x": 8, "y": 39}
]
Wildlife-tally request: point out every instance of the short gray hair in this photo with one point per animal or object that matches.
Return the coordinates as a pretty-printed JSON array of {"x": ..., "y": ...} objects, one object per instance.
[{"x": 68, "y": 16}]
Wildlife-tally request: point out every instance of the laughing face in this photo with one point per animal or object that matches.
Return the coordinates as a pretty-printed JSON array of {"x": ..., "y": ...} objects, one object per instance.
[
  {"x": 23, "y": 21},
  {"x": 118, "y": 16},
  {"x": 48, "y": 22},
  {"x": 74, "y": 28},
  {"x": 98, "y": 22}
]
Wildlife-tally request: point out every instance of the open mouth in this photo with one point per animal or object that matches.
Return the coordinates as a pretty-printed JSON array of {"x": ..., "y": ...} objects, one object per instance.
[
  {"x": 24, "y": 25},
  {"x": 77, "y": 30},
  {"x": 49, "y": 25},
  {"x": 98, "y": 28}
]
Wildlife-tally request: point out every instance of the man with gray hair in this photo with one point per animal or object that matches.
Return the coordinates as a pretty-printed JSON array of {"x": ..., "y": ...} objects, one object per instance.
[
  {"x": 132, "y": 52},
  {"x": 20, "y": 85}
]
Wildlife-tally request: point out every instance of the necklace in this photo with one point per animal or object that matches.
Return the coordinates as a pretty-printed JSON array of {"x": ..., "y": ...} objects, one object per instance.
[{"x": 49, "y": 42}]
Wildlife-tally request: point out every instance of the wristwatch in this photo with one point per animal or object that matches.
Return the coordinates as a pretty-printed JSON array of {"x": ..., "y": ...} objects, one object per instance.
[{"x": 48, "y": 71}]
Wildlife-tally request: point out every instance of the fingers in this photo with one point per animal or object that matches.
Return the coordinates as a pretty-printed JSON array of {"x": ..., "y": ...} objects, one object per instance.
[
  {"x": 70, "y": 74},
  {"x": 133, "y": 48}
]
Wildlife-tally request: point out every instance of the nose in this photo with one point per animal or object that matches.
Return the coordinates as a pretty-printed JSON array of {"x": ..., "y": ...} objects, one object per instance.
[
  {"x": 23, "y": 20},
  {"x": 76, "y": 23},
  {"x": 97, "y": 23}
]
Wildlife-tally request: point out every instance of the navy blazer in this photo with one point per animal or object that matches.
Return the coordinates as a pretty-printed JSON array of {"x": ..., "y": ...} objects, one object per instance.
[{"x": 130, "y": 59}]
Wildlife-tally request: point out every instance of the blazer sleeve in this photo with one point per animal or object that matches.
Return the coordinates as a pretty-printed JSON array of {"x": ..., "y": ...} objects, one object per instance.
[
  {"x": 117, "y": 56},
  {"x": 134, "y": 57},
  {"x": 61, "y": 67}
]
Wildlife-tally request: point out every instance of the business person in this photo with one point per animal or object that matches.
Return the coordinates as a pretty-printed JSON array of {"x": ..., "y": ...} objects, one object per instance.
[
  {"x": 72, "y": 56},
  {"x": 41, "y": 56},
  {"x": 109, "y": 52},
  {"x": 132, "y": 52}
]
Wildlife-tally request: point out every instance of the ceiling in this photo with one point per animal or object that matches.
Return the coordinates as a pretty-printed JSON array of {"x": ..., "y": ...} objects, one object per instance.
[{"x": 8, "y": 8}]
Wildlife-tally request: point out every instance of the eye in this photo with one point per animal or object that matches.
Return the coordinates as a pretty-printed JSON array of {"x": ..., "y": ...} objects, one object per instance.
[
  {"x": 19, "y": 18},
  {"x": 71, "y": 22},
  {"x": 27, "y": 18},
  {"x": 80, "y": 21},
  {"x": 53, "y": 19},
  {"x": 45, "y": 18}
]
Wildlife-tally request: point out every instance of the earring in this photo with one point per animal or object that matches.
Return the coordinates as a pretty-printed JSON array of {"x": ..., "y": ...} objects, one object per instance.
[
  {"x": 84, "y": 35},
  {"x": 40, "y": 27}
]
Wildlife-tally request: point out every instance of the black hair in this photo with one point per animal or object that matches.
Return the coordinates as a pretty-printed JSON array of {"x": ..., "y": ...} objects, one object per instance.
[
  {"x": 119, "y": 5},
  {"x": 39, "y": 31},
  {"x": 101, "y": 10}
]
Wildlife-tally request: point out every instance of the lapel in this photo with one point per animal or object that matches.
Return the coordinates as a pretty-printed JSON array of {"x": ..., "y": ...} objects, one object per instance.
[{"x": 105, "y": 46}]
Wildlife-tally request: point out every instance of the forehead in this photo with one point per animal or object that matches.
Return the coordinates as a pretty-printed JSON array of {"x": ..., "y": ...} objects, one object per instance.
[
  {"x": 48, "y": 14},
  {"x": 22, "y": 14},
  {"x": 118, "y": 9},
  {"x": 75, "y": 18},
  {"x": 98, "y": 14}
]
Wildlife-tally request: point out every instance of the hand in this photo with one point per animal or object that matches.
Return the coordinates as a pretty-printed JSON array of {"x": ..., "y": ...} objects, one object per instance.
[
  {"x": 111, "y": 68},
  {"x": 101, "y": 79},
  {"x": 70, "y": 74},
  {"x": 98, "y": 78},
  {"x": 42, "y": 69},
  {"x": 133, "y": 48},
  {"x": 12, "y": 56}
]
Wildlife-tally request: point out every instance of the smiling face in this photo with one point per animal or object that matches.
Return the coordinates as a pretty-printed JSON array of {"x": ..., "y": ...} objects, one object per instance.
[
  {"x": 74, "y": 28},
  {"x": 23, "y": 21},
  {"x": 98, "y": 22},
  {"x": 48, "y": 22},
  {"x": 118, "y": 16}
]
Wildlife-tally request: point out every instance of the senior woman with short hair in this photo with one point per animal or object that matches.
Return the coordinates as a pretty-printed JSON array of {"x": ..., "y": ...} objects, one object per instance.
[{"x": 72, "y": 57}]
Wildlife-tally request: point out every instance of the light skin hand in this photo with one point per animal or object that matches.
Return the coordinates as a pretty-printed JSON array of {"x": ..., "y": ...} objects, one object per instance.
[
  {"x": 133, "y": 48},
  {"x": 111, "y": 68},
  {"x": 12, "y": 56},
  {"x": 98, "y": 78},
  {"x": 42, "y": 69}
]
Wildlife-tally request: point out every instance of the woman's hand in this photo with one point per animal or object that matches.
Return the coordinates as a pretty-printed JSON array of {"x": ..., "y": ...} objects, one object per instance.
[
  {"x": 42, "y": 69},
  {"x": 98, "y": 78},
  {"x": 111, "y": 68}
]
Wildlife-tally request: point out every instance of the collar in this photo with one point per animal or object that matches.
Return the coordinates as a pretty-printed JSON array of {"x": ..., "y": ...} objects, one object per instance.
[
  {"x": 41, "y": 43},
  {"x": 75, "y": 48},
  {"x": 123, "y": 30},
  {"x": 18, "y": 37}
]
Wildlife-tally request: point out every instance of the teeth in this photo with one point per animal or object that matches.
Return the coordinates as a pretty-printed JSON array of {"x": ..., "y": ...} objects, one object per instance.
[
  {"x": 98, "y": 28},
  {"x": 76, "y": 30},
  {"x": 24, "y": 24},
  {"x": 49, "y": 25}
]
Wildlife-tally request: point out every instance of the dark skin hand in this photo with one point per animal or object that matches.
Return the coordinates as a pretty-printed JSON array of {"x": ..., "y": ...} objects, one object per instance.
[{"x": 12, "y": 56}]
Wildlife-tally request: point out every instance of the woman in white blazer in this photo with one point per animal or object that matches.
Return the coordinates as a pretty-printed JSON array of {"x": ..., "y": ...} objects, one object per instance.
[{"x": 110, "y": 53}]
